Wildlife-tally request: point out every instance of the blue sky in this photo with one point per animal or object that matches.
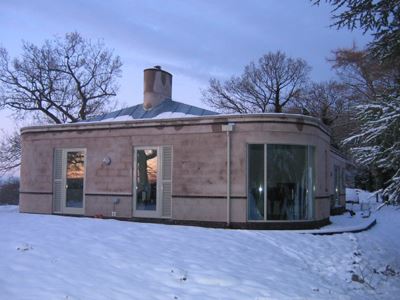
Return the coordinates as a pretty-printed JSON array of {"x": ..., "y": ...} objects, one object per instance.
[{"x": 192, "y": 39}]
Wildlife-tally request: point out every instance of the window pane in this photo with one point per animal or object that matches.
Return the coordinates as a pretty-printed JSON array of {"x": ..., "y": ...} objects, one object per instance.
[
  {"x": 146, "y": 179},
  {"x": 289, "y": 182},
  {"x": 256, "y": 182},
  {"x": 74, "y": 179},
  {"x": 311, "y": 182}
]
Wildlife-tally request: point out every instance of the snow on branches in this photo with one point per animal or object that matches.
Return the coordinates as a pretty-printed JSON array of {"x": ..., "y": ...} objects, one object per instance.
[{"x": 377, "y": 143}]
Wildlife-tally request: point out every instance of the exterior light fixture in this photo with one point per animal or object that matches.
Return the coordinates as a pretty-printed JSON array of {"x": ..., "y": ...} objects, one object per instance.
[{"x": 107, "y": 161}]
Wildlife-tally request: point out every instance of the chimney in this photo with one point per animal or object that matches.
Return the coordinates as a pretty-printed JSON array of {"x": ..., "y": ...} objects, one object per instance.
[{"x": 157, "y": 87}]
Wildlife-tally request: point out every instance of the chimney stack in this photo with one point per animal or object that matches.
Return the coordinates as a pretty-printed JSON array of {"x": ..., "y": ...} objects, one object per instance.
[{"x": 157, "y": 87}]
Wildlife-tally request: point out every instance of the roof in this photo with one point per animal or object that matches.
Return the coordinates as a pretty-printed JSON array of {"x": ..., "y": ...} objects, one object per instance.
[
  {"x": 120, "y": 123},
  {"x": 165, "y": 110}
]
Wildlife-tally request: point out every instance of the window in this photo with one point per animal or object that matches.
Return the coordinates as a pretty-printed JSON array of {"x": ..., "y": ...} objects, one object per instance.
[
  {"x": 146, "y": 179},
  {"x": 75, "y": 174},
  {"x": 152, "y": 181},
  {"x": 343, "y": 181},
  {"x": 256, "y": 182},
  {"x": 281, "y": 180}
]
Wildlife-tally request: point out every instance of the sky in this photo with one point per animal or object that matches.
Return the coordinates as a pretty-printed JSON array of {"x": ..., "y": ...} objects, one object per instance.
[{"x": 192, "y": 39}]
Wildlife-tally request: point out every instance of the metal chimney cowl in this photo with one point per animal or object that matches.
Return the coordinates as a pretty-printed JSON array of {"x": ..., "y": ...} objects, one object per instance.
[{"x": 157, "y": 87}]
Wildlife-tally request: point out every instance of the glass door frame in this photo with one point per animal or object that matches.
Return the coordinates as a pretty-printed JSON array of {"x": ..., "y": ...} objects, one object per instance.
[
  {"x": 64, "y": 208},
  {"x": 148, "y": 213}
]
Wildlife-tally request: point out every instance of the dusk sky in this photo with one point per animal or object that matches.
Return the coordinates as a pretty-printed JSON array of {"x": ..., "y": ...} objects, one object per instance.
[{"x": 192, "y": 39}]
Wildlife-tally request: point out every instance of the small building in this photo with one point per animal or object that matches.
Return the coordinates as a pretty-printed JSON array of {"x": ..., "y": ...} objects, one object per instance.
[{"x": 166, "y": 161}]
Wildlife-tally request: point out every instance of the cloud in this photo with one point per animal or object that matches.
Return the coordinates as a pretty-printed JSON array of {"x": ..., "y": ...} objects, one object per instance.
[{"x": 194, "y": 39}]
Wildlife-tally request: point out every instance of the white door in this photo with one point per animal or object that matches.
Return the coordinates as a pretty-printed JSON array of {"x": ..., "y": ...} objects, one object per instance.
[{"x": 69, "y": 181}]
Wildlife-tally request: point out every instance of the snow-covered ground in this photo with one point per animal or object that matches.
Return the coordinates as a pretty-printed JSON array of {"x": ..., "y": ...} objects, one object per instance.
[{"x": 53, "y": 257}]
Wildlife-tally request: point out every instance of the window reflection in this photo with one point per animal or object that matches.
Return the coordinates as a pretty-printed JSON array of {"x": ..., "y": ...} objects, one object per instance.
[
  {"x": 256, "y": 182},
  {"x": 289, "y": 182},
  {"x": 146, "y": 179},
  {"x": 75, "y": 178}
]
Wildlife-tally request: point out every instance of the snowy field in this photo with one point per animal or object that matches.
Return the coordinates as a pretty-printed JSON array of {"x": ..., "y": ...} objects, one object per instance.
[{"x": 54, "y": 257}]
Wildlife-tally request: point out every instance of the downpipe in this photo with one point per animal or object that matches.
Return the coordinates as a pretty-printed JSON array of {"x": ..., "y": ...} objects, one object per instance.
[{"x": 228, "y": 128}]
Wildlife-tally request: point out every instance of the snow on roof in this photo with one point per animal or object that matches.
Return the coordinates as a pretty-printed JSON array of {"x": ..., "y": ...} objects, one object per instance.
[{"x": 165, "y": 110}]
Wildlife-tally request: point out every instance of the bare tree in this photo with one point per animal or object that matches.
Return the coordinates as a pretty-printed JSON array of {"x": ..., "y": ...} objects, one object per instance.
[
  {"x": 331, "y": 102},
  {"x": 268, "y": 85},
  {"x": 324, "y": 100},
  {"x": 65, "y": 80},
  {"x": 9, "y": 191},
  {"x": 10, "y": 152},
  {"x": 364, "y": 75}
]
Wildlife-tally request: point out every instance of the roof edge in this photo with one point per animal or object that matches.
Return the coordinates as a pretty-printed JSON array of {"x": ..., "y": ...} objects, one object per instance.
[{"x": 193, "y": 120}]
